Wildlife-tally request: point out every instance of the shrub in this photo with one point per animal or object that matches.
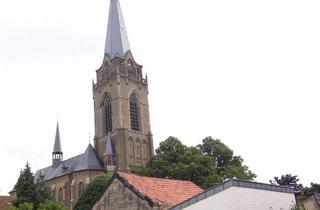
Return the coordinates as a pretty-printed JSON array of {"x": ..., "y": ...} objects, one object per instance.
[{"x": 87, "y": 198}]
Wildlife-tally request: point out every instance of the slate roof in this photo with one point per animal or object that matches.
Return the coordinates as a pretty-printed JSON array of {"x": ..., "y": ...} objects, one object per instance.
[
  {"x": 167, "y": 192},
  {"x": 117, "y": 43},
  {"x": 5, "y": 202},
  {"x": 88, "y": 160},
  {"x": 109, "y": 148},
  {"x": 57, "y": 141},
  {"x": 227, "y": 184}
]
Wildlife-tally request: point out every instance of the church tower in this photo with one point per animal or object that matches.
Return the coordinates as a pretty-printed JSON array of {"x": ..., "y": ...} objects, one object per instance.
[{"x": 123, "y": 139}]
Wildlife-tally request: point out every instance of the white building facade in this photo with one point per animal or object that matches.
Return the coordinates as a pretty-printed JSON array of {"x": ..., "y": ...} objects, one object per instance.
[{"x": 242, "y": 195}]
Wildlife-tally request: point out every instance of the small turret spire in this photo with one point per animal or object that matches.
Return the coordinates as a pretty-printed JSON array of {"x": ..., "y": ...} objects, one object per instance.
[
  {"x": 57, "y": 151},
  {"x": 57, "y": 141},
  {"x": 109, "y": 148},
  {"x": 117, "y": 43},
  {"x": 109, "y": 156}
]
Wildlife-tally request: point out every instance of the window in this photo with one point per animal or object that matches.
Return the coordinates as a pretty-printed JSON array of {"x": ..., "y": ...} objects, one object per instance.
[
  {"x": 57, "y": 156},
  {"x": 134, "y": 112},
  {"x": 60, "y": 194},
  {"x": 80, "y": 188},
  {"x": 53, "y": 194},
  {"x": 108, "y": 114}
]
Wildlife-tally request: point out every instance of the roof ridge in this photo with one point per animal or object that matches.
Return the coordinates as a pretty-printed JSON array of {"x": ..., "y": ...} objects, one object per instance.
[
  {"x": 158, "y": 178},
  {"x": 61, "y": 162}
]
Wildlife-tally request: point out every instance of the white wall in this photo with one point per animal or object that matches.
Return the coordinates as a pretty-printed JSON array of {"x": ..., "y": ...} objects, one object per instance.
[{"x": 238, "y": 198}]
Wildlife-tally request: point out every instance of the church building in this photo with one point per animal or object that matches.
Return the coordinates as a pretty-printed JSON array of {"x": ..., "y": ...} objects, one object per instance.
[{"x": 123, "y": 139}]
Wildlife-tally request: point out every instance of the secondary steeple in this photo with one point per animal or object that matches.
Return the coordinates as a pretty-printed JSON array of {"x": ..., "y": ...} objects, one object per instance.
[
  {"x": 57, "y": 151},
  {"x": 117, "y": 43}
]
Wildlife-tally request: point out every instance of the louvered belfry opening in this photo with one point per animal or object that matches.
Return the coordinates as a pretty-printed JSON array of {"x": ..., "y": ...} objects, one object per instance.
[
  {"x": 108, "y": 114},
  {"x": 134, "y": 112}
]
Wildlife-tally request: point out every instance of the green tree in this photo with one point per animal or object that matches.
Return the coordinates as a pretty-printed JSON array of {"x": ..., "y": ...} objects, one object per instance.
[
  {"x": 47, "y": 205},
  {"x": 51, "y": 205},
  {"x": 177, "y": 161},
  {"x": 314, "y": 188},
  {"x": 25, "y": 187},
  {"x": 22, "y": 206},
  {"x": 227, "y": 165},
  {"x": 298, "y": 207},
  {"x": 288, "y": 180},
  {"x": 87, "y": 198},
  {"x": 306, "y": 192},
  {"x": 28, "y": 192},
  {"x": 42, "y": 193}
]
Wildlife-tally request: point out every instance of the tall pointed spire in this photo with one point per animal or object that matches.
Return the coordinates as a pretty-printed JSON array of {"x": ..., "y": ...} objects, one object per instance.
[
  {"x": 57, "y": 151},
  {"x": 57, "y": 141},
  {"x": 117, "y": 43}
]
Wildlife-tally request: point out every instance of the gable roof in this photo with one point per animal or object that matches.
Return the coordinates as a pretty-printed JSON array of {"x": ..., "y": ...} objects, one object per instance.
[
  {"x": 161, "y": 191},
  {"x": 232, "y": 183},
  {"x": 88, "y": 160}
]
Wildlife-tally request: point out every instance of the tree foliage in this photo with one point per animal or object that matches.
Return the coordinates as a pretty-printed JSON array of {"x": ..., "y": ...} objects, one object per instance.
[
  {"x": 177, "y": 161},
  {"x": 43, "y": 193},
  {"x": 51, "y": 205},
  {"x": 298, "y": 207},
  {"x": 227, "y": 165},
  {"x": 46, "y": 205},
  {"x": 87, "y": 198},
  {"x": 25, "y": 187},
  {"x": 314, "y": 188},
  {"x": 22, "y": 206},
  {"x": 28, "y": 192},
  {"x": 306, "y": 192},
  {"x": 288, "y": 180}
]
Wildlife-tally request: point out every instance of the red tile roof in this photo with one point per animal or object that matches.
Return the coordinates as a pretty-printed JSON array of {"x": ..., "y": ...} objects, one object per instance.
[
  {"x": 162, "y": 191},
  {"x": 5, "y": 202}
]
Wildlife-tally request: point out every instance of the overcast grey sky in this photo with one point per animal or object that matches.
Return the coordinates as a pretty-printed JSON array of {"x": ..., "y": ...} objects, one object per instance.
[{"x": 246, "y": 72}]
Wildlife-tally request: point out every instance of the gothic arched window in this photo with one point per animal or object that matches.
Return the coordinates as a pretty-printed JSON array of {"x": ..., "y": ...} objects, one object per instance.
[
  {"x": 80, "y": 188},
  {"x": 134, "y": 112},
  {"x": 53, "y": 194},
  {"x": 108, "y": 114},
  {"x": 60, "y": 194}
]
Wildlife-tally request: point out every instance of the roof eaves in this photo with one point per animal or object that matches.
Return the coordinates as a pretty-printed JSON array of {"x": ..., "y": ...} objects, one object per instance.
[{"x": 68, "y": 173}]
